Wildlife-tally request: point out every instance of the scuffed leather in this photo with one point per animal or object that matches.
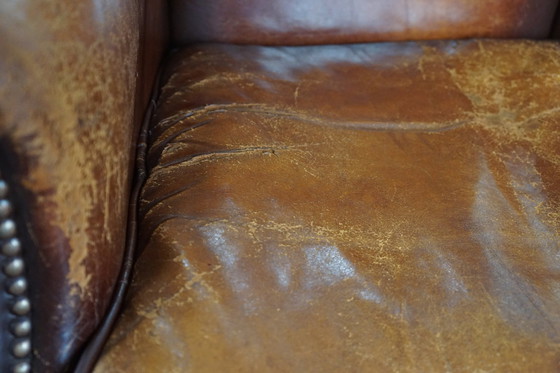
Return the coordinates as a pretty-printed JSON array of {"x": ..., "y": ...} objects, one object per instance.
[
  {"x": 376, "y": 207},
  {"x": 69, "y": 107},
  {"x": 291, "y": 22}
]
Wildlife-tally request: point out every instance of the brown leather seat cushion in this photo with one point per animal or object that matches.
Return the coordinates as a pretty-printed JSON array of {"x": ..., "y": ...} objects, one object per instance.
[{"x": 376, "y": 207}]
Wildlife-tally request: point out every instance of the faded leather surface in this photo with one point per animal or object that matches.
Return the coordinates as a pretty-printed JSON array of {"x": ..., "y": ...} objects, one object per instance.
[
  {"x": 290, "y": 22},
  {"x": 377, "y": 207},
  {"x": 68, "y": 80}
]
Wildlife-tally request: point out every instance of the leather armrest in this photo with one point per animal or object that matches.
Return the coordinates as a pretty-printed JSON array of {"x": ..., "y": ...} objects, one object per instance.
[{"x": 74, "y": 81}]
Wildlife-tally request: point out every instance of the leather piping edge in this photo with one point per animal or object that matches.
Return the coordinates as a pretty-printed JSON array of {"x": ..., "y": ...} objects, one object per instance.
[{"x": 90, "y": 354}]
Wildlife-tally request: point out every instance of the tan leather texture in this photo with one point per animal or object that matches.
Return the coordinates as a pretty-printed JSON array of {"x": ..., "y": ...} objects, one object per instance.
[
  {"x": 369, "y": 208},
  {"x": 68, "y": 80},
  {"x": 290, "y": 22}
]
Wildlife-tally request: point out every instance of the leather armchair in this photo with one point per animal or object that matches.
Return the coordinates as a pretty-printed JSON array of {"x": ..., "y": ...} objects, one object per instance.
[{"x": 251, "y": 185}]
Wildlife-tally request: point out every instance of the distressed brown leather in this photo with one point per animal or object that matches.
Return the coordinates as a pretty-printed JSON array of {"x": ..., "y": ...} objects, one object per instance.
[
  {"x": 291, "y": 22},
  {"x": 69, "y": 73},
  {"x": 377, "y": 207}
]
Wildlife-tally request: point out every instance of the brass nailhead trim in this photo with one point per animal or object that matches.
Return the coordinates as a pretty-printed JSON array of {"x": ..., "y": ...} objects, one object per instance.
[{"x": 16, "y": 284}]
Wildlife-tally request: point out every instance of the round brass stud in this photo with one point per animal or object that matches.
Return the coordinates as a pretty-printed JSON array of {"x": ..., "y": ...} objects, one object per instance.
[
  {"x": 23, "y": 367},
  {"x": 14, "y": 268},
  {"x": 12, "y": 247},
  {"x": 18, "y": 286},
  {"x": 21, "y": 306},
  {"x": 7, "y": 228},
  {"x": 22, "y": 348}
]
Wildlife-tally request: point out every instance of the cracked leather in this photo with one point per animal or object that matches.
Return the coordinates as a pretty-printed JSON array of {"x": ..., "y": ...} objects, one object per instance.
[{"x": 377, "y": 207}]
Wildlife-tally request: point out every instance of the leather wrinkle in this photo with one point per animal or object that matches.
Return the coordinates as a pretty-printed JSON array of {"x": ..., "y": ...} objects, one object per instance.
[{"x": 305, "y": 117}]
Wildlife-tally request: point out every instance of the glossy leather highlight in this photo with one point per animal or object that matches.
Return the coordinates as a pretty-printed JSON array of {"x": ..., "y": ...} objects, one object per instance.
[
  {"x": 376, "y": 207},
  {"x": 296, "y": 22}
]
